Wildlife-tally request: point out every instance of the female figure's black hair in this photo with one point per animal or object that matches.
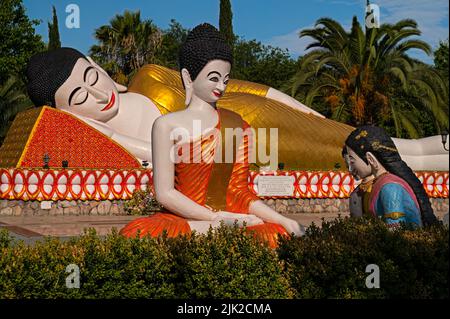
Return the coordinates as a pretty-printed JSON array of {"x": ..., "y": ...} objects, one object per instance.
[
  {"x": 47, "y": 71},
  {"x": 344, "y": 152},
  {"x": 375, "y": 140},
  {"x": 203, "y": 44}
]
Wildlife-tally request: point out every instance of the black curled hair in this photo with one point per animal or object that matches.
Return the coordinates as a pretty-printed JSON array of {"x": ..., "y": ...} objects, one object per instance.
[
  {"x": 375, "y": 140},
  {"x": 344, "y": 152},
  {"x": 203, "y": 44},
  {"x": 47, "y": 71}
]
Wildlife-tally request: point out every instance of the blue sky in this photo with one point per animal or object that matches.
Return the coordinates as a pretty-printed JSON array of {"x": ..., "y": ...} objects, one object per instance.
[{"x": 274, "y": 22}]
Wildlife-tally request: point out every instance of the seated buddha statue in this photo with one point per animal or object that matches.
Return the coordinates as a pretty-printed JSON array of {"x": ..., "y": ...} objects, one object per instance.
[
  {"x": 203, "y": 193},
  {"x": 389, "y": 190}
]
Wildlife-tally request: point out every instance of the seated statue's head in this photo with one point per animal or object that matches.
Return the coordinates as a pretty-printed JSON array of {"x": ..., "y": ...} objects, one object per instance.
[
  {"x": 349, "y": 166},
  {"x": 205, "y": 63},
  {"x": 369, "y": 149},
  {"x": 68, "y": 80}
]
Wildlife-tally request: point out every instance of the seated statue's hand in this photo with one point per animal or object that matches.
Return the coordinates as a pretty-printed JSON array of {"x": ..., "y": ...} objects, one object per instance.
[
  {"x": 230, "y": 218},
  {"x": 292, "y": 226}
]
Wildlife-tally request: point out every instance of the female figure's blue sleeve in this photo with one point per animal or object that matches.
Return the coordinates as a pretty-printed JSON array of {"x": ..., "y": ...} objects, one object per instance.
[{"x": 395, "y": 205}]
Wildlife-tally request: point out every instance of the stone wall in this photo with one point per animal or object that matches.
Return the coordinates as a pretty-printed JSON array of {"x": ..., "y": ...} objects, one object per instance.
[
  {"x": 116, "y": 207},
  {"x": 329, "y": 205},
  {"x": 61, "y": 208},
  {"x": 314, "y": 205}
]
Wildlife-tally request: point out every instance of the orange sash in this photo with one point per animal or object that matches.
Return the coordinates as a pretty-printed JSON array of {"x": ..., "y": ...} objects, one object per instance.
[{"x": 221, "y": 172}]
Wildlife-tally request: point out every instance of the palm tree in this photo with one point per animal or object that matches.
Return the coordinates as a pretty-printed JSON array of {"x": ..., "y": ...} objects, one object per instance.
[
  {"x": 367, "y": 77},
  {"x": 126, "y": 44},
  {"x": 12, "y": 101}
]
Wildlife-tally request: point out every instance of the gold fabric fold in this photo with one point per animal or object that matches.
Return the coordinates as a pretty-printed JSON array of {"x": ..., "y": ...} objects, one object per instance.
[
  {"x": 305, "y": 141},
  {"x": 221, "y": 171}
]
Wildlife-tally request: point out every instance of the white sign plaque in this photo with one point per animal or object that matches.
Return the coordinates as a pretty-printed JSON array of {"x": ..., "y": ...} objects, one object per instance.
[
  {"x": 46, "y": 204},
  {"x": 276, "y": 185}
]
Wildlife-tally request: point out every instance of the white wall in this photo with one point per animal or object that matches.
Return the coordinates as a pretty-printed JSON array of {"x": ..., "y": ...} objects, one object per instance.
[{"x": 425, "y": 154}]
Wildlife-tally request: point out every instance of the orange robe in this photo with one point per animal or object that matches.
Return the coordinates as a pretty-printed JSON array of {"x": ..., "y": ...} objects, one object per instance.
[{"x": 218, "y": 185}]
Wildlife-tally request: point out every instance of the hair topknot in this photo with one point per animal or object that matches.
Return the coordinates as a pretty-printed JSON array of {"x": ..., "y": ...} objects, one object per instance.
[
  {"x": 203, "y": 44},
  {"x": 47, "y": 71}
]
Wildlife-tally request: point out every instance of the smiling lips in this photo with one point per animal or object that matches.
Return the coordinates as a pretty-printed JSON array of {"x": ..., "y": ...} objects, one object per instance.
[
  {"x": 111, "y": 102},
  {"x": 218, "y": 94}
]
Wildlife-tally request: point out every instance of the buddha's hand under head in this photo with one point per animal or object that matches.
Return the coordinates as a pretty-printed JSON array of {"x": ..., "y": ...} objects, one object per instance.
[
  {"x": 230, "y": 218},
  {"x": 292, "y": 226}
]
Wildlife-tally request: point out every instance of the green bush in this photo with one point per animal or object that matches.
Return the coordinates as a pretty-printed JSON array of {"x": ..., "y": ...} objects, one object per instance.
[
  {"x": 329, "y": 262},
  {"x": 114, "y": 267},
  {"x": 227, "y": 263},
  {"x": 143, "y": 202},
  {"x": 5, "y": 239},
  {"x": 223, "y": 264}
]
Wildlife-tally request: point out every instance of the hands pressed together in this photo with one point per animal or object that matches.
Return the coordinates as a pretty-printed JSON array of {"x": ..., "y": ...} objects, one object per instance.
[
  {"x": 292, "y": 226},
  {"x": 229, "y": 219}
]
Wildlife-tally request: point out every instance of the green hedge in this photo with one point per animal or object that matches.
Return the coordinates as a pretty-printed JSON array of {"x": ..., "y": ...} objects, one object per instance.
[
  {"x": 222, "y": 264},
  {"x": 328, "y": 262},
  {"x": 331, "y": 262}
]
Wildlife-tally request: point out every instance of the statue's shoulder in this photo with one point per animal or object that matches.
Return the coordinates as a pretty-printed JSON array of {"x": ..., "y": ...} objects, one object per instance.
[
  {"x": 172, "y": 119},
  {"x": 230, "y": 118},
  {"x": 228, "y": 113}
]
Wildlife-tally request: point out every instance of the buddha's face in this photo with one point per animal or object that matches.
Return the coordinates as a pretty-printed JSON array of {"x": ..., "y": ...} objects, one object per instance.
[
  {"x": 88, "y": 92},
  {"x": 211, "y": 82},
  {"x": 357, "y": 166}
]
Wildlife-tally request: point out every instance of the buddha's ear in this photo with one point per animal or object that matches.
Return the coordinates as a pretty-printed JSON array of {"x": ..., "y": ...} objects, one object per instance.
[
  {"x": 187, "y": 81},
  {"x": 120, "y": 88}
]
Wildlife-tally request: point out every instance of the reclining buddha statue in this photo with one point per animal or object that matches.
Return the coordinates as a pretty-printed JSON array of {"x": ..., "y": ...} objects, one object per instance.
[
  {"x": 68, "y": 81},
  {"x": 78, "y": 103}
]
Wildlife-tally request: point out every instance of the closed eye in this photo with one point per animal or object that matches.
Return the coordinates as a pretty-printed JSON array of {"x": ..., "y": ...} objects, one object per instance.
[
  {"x": 81, "y": 97},
  {"x": 92, "y": 77}
]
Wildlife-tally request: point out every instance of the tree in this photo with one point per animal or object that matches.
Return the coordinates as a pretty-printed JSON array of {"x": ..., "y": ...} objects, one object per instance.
[
  {"x": 126, "y": 44},
  {"x": 263, "y": 64},
  {"x": 367, "y": 77},
  {"x": 172, "y": 40},
  {"x": 18, "y": 40},
  {"x": 226, "y": 21},
  {"x": 12, "y": 101},
  {"x": 441, "y": 56},
  {"x": 54, "y": 41}
]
